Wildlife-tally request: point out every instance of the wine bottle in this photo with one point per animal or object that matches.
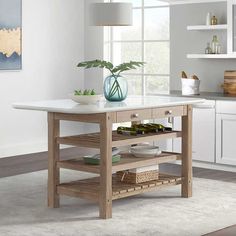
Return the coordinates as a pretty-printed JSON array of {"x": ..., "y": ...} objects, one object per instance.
[
  {"x": 129, "y": 130},
  {"x": 136, "y": 129},
  {"x": 145, "y": 128},
  {"x": 161, "y": 127}
]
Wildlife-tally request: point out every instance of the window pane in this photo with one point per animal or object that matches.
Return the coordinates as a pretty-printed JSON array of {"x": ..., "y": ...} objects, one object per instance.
[
  {"x": 157, "y": 84},
  {"x": 129, "y": 32},
  {"x": 134, "y": 84},
  {"x": 156, "y": 23},
  {"x": 125, "y": 52},
  {"x": 107, "y": 52},
  {"x": 155, "y": 3},
  {"x": 107, "y": 34},
  {"x": 136, "y": 3},
  {"x": 157, "y": 58}
]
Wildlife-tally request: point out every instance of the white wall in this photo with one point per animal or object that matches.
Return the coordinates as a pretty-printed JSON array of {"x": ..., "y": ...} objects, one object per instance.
[
  {"x": 210, "y": 71},
  {"x": 93, "y": 78},
  {"x": 53, "y": 43},
  {"x": 93, "y": 49}
]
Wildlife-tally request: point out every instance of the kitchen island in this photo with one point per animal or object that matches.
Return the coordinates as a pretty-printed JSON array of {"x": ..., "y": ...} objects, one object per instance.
[{"x": 106, "y": 187}]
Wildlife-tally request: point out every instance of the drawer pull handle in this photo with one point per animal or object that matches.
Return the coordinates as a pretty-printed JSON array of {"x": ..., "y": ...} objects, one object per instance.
[
  {"x": 134, "y": 115},
  {"x": 169, "y": 112}
]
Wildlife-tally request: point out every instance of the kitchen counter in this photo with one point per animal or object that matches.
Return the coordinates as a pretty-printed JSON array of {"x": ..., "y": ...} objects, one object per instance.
[
  {"x": 133, "y": 102},
  {"x": 205, "y": 95}
]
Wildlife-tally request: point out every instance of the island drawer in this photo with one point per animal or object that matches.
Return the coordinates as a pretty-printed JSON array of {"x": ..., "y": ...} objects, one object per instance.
[
  {"x": 134, "y": 115},
  {"x": 226, "y": 107},
  {"x": 166, "y": 112}
]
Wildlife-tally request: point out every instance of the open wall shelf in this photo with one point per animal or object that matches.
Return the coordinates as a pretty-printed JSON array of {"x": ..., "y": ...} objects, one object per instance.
[
  {"x": 211, "y": 56},
  {"x": 207, "y": 27}
]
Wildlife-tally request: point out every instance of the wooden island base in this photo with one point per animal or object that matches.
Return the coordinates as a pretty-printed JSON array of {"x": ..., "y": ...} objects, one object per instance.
[{"x": 106, "y": 188}]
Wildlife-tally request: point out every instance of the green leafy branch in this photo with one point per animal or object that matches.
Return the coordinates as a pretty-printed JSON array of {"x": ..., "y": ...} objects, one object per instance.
[{"x": 114, "y": 70}]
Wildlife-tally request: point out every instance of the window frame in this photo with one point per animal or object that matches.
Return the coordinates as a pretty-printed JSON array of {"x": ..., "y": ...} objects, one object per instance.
[{"x": 111, "y": 41}]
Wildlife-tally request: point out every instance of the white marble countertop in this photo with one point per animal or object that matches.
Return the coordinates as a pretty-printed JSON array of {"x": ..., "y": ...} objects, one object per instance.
[{"x": 131, "y": 103}]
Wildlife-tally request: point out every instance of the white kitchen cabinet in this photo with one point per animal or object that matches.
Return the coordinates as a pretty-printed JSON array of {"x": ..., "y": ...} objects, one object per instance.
[
  {"x": 225, "y": 132},
  {"x": 203, "y": 132}
]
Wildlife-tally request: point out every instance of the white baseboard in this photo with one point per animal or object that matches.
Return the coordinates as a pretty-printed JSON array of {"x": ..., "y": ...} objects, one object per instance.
[
  {"x": 212, "y": 166},
  {"x": 22, "y": 148},
  {"x": 26, "y": 148}
]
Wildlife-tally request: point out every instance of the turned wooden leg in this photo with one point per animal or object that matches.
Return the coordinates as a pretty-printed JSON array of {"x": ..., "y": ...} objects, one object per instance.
[
  {"x": 53, "y": 157},
  {"x": 105, "y": 201},
  {"x": 187, "y": 153}
]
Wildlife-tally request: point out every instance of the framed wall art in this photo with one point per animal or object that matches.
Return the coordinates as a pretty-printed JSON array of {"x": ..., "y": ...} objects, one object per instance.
[{"x": 10, "y": 34}]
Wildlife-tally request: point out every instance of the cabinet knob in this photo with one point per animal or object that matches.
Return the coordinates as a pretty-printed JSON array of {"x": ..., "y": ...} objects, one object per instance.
[
  {"x": 134, "y": 115},
  {"x": 169, "y": 112}
]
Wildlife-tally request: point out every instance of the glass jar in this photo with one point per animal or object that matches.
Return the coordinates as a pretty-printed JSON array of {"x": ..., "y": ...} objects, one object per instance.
[
  {"x": 214, "y": 44},
  {"x": 208, "y": 19},
  {"x": 218, "y": 49},
  {"x": 115, "y": 88},
  {"x": 208, "y": 49}
]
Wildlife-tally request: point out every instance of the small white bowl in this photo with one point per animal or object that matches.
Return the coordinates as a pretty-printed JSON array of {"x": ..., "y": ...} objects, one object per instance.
[
  {"x": 145, "y": 151},
  {"x": 85, "y": 99}
]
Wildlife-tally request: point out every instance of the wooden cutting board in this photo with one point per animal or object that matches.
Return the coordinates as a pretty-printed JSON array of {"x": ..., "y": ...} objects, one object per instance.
[
  {"x": 230, "y": 76},
  {"x": 229, "y": 80}
]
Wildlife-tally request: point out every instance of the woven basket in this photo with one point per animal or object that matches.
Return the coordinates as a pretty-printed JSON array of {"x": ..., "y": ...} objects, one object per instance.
[{"x": 135, "y": 178}]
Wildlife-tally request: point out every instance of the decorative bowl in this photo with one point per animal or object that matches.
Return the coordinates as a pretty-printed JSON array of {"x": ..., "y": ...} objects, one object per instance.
[
  {"x": 145, "y": 151},
  {"x": 85, "y": 99}
]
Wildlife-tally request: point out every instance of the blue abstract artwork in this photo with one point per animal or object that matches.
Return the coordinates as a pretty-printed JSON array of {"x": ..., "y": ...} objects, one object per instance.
[{"x": 10, "y": 35}]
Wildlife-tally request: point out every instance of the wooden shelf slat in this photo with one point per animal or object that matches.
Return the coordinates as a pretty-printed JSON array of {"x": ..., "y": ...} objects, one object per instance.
[
  {"x": 89, "y": 188},
  {"x": 128, "y": 161},
  {"x": 93, "y": 140}
]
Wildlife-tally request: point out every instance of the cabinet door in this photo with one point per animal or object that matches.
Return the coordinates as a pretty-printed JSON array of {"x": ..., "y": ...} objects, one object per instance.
[
  {"x": 203, "y": 135},
  {"x": 164, "y": 145},
  {"x": 177, "y": 141},
  {"x": 225, "y": 139}
]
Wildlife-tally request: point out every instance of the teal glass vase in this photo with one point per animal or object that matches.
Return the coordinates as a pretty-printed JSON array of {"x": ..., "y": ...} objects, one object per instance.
[{"x": 115, "y": 88}]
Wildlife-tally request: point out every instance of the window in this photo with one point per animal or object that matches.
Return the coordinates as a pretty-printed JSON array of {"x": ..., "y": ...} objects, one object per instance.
[{"x": 147, "y": 40}]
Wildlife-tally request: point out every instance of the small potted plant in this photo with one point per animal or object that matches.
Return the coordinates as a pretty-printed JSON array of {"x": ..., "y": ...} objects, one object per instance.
[{"x": 115, "y": 86}]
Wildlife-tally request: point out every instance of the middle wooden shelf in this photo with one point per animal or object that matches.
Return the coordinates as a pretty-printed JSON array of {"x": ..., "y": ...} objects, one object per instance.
[
  {"x": 93, "y": 140},
  {"x": 128, "y": 161}
]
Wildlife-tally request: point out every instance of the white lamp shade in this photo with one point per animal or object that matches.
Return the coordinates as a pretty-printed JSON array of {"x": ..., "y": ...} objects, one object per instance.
[{"x": 112, "y": 14}]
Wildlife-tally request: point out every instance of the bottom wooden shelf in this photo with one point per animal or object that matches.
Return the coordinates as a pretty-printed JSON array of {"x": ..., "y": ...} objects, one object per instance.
[{"x": 89, "y": 188}]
